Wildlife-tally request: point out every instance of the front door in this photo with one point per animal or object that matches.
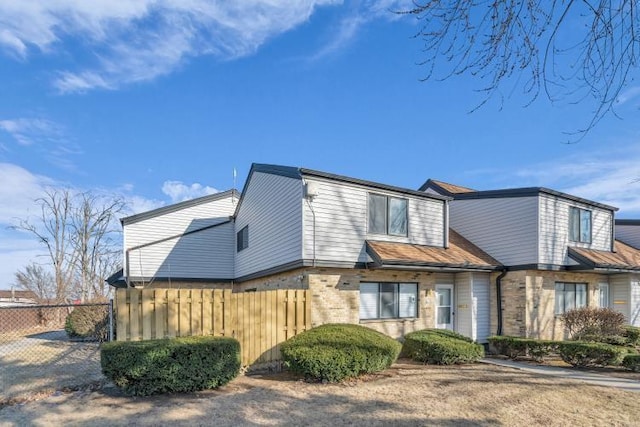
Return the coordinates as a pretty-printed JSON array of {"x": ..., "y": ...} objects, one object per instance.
[{"x": 444, "y": 307}]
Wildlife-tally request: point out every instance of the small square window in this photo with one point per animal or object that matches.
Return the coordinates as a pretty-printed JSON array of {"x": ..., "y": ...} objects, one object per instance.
[
  {"x": 569, "y": 296},
  {"x": 242, "y": 239}
]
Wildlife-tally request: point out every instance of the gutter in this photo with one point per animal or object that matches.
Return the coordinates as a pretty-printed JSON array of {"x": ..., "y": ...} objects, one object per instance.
[{"x": 499, "y": 299}]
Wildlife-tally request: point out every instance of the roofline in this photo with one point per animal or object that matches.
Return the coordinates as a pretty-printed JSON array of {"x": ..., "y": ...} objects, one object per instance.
[
  {"x": 585, "y": 262},
  {"x": 412, "y": 264},
  {"x": 372, "y": 184},
  {"x": 433, "y": 183},
  {"x": 178, "y": 206},
  {"x": 300, "y": 173},
  {"x": 627, "y": 221},
  {"x": 528, "y": 192}
]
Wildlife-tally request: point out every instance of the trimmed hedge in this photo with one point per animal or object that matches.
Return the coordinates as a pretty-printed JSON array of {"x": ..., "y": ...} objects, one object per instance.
[
  {"x": 334, "y": 352},
  {"x": 587, "y": 354},
  {"x": 632, "y": 335},
  {"x": 632, "y": 362},
  {"x": 514, "y": 347},
  {"x": 185, "y": 364},
  {"x": 88, "y": 321},
  {"x": 439, "y": 347}
]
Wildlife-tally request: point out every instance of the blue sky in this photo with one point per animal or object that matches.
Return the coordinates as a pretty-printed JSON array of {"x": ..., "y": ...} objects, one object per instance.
[{"x": 158, "y": 101}]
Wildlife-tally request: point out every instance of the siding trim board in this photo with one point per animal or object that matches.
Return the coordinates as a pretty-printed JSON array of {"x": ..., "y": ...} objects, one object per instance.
[
  {"x": 177, "y": 206},
  {"x": 153, "y": 279},
  {"x": 627, "y": 221}
]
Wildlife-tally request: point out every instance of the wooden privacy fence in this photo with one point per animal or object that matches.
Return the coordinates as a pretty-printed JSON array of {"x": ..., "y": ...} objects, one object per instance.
[{"x": 259, "y": 320}]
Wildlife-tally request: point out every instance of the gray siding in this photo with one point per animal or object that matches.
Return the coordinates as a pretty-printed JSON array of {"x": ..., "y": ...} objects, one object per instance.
[
  {"x": 554, "y": 229},
  {"x": 179, "y": 254},
  {"x": 463, "y": 307},
  {"x": 341, "y": 222},
  {"x": 272, "y": 208},
  {"x": 481, "y": 307},
  {"x": 620, "y": 293},
  {"x": 629, "y": 234},
  {"x": 505, "y": 228},
  {"x": 634, "y": 306},
  {"x": 205, "y": 254}
]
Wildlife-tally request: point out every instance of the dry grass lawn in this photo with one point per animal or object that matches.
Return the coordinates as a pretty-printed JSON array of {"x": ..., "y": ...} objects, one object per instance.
[{"x": 408, "y": 394}]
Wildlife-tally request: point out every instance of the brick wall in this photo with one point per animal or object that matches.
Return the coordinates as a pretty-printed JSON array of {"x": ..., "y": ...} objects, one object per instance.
[
  {"x": 336, "y": 295},
  {"x": 528, "y": 302}
]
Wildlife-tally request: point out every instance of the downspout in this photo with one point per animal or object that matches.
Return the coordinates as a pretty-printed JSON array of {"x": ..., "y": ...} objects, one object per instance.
[{"x": 499, "y": 297}]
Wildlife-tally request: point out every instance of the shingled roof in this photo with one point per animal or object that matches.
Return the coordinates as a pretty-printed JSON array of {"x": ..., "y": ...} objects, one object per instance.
[
  {"x": 461, "y": 254},
  {"x": 624, "y": 257},
  {"x": 451, "y": 188}
]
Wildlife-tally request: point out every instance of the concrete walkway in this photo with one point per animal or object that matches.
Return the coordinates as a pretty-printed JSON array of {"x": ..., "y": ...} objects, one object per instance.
[{"x": 573, "y": 374}]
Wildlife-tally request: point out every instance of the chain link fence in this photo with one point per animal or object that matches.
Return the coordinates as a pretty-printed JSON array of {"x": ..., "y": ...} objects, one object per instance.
[{"x": 44, "y": 348}]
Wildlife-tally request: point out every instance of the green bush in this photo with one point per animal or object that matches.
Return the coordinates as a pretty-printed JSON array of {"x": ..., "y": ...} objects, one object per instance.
[
  {"x": 593, "y": 324},
  {"x": 632, "y": 362},
  {"x": 586, "y": 354},
  {"x": 334, "y": 352},
  {"x": 88, "y": 321},
  {"x": 186, "y": 364},
  {"x": 632, "y": 335},
  {"x": 441, "y": 348},
  {"x": 514, "y": 347}
]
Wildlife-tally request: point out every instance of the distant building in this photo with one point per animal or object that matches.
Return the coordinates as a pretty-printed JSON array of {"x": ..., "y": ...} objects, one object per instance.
[{"x": 13, "y": 298}]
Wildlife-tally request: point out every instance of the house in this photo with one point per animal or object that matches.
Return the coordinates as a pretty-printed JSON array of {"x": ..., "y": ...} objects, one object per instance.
[
  {"x": 558, "y": 251},
  {"x": 370, "y": 253},
  {"x": 393, "y": 259},
  {"x": 13, "y": 298}
]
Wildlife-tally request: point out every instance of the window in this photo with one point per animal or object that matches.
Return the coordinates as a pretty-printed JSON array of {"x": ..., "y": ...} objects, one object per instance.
[
  {"x": 579, "y": 225},
  {"x": 388, "y": 300},
  {"x": 387, "y": 215},
  {"x": 242, "y": 239},
  {"x": 569, "y": 296}
]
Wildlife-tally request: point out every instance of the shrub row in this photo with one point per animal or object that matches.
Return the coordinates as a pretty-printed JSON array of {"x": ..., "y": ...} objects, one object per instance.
[
  {"x": 441, "y": 347},
  {"x": 335, "y": 352},
  {"x": 171, "y": 365},
  {"x": 514, "y": 347},
  {"x": 576, "y": 353},
  {"x": 632, "y": 335},
  {"x": 632, "y": 362}
]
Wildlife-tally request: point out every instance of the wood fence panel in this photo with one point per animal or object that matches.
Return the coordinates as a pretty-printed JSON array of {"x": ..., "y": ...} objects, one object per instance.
[
  {"x": 172, "y": 313},
  {"x": 160, "y": 313},
  {"x": 260, "y": 321}
]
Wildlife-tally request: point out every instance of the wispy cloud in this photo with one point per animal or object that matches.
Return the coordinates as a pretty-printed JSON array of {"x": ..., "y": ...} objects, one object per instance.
[
  {"x": 141, "y": 40},
  {"x": 610, "y": 177},
  {"x": 178, "y": 191},
  {"x": 46, "y": 137},
  {"x": 628, "y": 95}
]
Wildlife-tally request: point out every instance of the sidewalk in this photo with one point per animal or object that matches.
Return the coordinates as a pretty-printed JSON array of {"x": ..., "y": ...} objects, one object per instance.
[{"x": 595, "y": 379}]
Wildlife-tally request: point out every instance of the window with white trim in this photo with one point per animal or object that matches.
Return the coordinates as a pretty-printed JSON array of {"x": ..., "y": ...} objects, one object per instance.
[
  {"x": 388, "y": 300},
  {"x": 388, "y": 215},
  {"x": 570, "y": 296},
  {"x": 579, "y": 225}
]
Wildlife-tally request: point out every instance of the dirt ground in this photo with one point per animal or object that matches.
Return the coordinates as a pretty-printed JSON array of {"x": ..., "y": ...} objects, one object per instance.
[
  {"x": 36, "y": 363},
  {"x": 408, "y": 394}
]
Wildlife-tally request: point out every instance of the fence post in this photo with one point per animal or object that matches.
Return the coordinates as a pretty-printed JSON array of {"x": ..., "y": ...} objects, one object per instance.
[{"x": 110, "y": 319}]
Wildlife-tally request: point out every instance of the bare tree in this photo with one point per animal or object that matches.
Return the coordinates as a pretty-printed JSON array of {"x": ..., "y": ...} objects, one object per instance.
[
  {"x": 38, "y": 280},
  {"x": 80, "y": 235},
  {"x": 568, "y": 49},
  {"x": 94, "y": 241},
  {"x": 52, "y": 230}
]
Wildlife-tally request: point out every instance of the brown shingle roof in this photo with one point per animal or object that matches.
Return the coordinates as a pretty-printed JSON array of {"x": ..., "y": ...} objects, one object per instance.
[
  {"x": 625, "y": 257},
  {"x": 452, "y": 188},
  {"x": 461, "y": 253}
]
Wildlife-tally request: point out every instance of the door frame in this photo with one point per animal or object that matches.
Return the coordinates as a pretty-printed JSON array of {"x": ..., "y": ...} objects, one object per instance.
[{"x": 451, "y": 289}]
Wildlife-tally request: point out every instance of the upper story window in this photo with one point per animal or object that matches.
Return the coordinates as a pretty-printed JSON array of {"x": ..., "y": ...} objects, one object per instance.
[
  {"x": 387, "y": 215},
  {"x": 242, "y": 239},
  {"x": 579, "y": 225}
]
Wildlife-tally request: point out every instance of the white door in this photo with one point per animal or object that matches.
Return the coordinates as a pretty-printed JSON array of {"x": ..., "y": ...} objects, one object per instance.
[{"x": 444, "y": 307}]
